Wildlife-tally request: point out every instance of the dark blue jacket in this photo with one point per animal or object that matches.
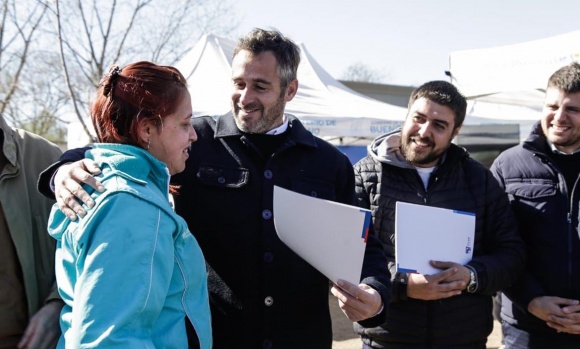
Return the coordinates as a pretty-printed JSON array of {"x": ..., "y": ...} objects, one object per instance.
[
  {"x": 260, "y": 291},
  {"x": 548, "y": 219}
]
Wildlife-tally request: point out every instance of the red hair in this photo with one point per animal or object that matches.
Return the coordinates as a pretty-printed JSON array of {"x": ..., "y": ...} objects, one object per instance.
[{"x": 129, "y": 96}]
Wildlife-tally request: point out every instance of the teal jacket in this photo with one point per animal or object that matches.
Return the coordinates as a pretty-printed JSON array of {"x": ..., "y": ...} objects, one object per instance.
[{"x": 130, "y": 271}]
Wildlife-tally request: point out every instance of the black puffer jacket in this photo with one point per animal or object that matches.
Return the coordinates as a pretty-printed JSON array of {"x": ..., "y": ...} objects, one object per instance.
[
  {"x": 549, "y": 224},
  {"x": 460, "y": 183}
]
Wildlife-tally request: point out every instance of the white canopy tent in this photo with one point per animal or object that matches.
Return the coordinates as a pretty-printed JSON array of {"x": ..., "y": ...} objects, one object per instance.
[
  {"x": 325, "y": 106},
  {"x": 505, "y": 84},
  {"x": 482, "y": 111},
  {"x": 513, "y": 68}
]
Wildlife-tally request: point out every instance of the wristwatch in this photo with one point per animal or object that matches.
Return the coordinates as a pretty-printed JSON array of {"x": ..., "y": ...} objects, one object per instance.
[{"x": 472, "y": 286}]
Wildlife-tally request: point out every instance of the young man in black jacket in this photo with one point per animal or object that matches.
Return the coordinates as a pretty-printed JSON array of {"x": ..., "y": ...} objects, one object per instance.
[
  {"x": 418, "y": 164},
  {"x": 262, "y": 295},
  {"x": 542, "y": 179}
]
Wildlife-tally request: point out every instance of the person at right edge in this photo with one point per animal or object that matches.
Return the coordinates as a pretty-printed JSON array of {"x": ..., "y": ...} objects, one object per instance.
[
  {"x": 418, "y": 164},
  {"x": 542, "y": 179}
]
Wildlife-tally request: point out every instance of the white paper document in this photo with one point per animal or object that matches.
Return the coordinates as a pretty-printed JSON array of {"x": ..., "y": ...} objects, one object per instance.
[
  {"x": 424, "y": 233},
  {"x": 328, "y": 235}
]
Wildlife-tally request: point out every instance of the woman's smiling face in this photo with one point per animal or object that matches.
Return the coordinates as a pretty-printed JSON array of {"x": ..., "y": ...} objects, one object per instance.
[{"x": 170, "y": 141}]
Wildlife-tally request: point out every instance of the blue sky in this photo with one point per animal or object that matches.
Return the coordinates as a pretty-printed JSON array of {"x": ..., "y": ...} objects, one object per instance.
[{"x": 407, "y": 40}]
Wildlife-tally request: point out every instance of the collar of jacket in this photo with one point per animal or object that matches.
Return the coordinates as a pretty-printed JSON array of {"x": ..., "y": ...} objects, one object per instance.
[
  {"x": 386, "y": 149},
  {"x": 131, "y": 162},
  {"x": 9, "y": 146},
  {"x": 226, "y": 127},
  {"x": 536, "y": 141}
]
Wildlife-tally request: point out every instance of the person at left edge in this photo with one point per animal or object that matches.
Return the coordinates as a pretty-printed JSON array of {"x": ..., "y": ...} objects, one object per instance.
[
  {"x": 262, "y": 294},
  {"x": 130, "y": 273},
  {"x": 29, "y": 301}
]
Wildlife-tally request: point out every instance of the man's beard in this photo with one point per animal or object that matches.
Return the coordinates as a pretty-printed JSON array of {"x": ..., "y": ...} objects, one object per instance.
[
  {"x": 416, "y": 158},
  {"x": 269, "y": 118}
]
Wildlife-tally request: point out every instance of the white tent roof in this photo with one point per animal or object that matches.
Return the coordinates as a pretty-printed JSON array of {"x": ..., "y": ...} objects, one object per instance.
[
  {"x": 520, "y": 108},
  {"x": 505, "y": 84},
  {"x": 325, "y": 106},
  {"x": 521, "y": 67},
  {"x": 481, "y": 112}
]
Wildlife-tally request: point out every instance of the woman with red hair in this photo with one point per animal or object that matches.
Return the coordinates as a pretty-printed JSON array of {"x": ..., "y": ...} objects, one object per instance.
[{"x": 129, "y": 271}]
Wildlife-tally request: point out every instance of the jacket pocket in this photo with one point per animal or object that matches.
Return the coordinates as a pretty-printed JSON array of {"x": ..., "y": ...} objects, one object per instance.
[
  {"x": 317, "y": 189},
  {"x": 222, "y": 177},
  {"x": 532, "y": 189}
]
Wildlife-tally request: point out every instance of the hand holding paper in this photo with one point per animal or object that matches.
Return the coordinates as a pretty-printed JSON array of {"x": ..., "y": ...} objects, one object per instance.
[
  {"x": 357, "y": 302},
  {"x": 448, "y": 282}
]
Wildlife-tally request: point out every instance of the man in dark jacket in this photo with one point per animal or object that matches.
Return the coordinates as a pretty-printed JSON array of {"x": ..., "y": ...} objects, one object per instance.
[
  {"x": 542, "y": 179},
  {"x": 262, "y": 295},
  {"x": 418, "y": 164}
]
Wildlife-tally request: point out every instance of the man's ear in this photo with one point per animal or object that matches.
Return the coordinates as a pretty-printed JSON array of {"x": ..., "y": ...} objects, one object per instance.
[
  {"x": 456, "y": 131},
  {"x": 291, "y": 90}
]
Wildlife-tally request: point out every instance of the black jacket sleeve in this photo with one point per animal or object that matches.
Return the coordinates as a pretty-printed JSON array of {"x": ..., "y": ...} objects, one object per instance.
[
  {"x": 526, "y": 287},
  {"x": 44, "y": 180},
  {"x": 377, "y": 275},
  {"x": 504, "y": 258},
  {"x": 375, "y": 271}
]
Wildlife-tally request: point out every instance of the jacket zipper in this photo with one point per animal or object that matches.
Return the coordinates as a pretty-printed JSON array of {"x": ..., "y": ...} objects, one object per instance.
[{"x": 571, "y": 235}]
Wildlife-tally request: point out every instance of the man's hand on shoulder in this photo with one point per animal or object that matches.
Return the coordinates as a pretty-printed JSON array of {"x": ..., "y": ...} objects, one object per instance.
[{"x": 68, "y": 190}]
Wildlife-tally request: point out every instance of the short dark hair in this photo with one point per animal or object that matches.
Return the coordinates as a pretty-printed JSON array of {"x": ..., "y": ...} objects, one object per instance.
[
  {"x": 287, "y": 53},
  {"x": 138, "y": 92},
  {"x": 566, "y": 79},
  {"x": 443, "y": 93}
]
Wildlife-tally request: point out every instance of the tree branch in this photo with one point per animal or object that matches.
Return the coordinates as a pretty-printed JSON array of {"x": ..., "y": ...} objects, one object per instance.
[{"x": 66, "y": 73}]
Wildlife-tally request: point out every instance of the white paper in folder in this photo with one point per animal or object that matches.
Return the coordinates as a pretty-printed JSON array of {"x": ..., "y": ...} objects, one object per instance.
[
  {"x": 328, "y": 235},
  {"x": 424, "y": 233}
]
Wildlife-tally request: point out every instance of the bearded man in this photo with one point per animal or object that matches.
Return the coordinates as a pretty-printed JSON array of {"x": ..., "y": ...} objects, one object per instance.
[{"x": 418, "y": 164}]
